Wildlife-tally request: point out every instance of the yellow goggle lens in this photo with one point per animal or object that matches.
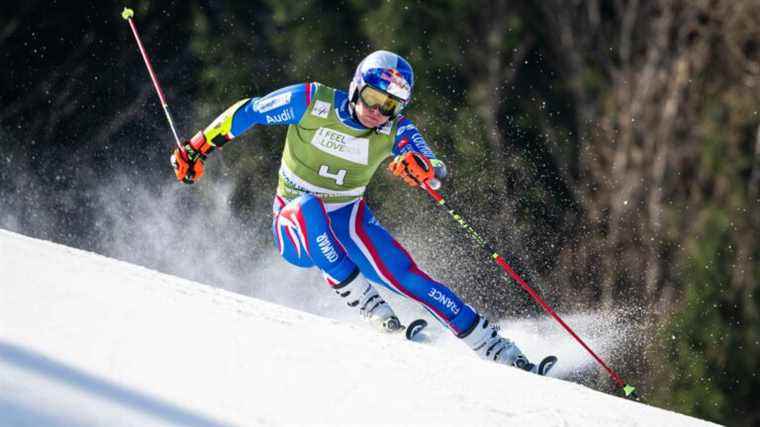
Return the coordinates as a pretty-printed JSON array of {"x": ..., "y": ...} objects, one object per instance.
[{"x": 372, "y": 98}]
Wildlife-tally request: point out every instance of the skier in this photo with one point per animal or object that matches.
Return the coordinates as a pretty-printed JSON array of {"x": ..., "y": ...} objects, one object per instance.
[{"x": 334, "y": 144}]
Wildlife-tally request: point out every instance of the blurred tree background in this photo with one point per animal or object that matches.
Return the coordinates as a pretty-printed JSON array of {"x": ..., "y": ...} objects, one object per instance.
[{"x": 612, "y": 146}]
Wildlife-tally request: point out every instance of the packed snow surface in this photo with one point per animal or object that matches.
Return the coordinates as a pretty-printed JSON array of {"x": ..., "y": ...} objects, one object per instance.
[{"x": 88, "y": 340}]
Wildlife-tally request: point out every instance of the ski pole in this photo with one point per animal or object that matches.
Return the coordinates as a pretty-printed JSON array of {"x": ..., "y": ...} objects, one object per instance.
[
  {"x": 627, "y": 389},
  {"x": 128, "y": 15}
]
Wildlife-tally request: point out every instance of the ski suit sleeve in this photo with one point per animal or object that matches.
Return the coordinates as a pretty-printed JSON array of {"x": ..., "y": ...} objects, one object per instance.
[
  {"x": 409, "y": 138},
  {"x": 282, "y": 107}
]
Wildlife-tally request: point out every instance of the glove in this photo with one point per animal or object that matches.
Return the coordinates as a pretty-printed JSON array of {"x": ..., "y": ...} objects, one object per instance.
[
  {"x": 188, "y": 166},
  {"x": 413, "y": 167}
]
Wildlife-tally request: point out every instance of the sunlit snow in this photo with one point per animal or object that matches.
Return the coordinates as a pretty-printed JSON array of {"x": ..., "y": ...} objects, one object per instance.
[{"x": 88, "y": 340}]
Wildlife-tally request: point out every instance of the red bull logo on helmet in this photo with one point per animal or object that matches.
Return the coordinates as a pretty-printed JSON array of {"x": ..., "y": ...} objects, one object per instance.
[{"x": 397, "y": 84}]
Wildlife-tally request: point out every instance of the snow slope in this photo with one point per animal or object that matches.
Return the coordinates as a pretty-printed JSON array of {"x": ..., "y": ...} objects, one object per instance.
[{"x": 88, "y": 340}]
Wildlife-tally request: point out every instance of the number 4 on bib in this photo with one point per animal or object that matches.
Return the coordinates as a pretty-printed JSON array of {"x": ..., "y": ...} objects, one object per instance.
[{"x": 338, "y": 177}]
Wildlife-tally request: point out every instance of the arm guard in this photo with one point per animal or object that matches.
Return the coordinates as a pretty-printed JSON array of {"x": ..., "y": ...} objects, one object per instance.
[{"x": 219, "y": 132}]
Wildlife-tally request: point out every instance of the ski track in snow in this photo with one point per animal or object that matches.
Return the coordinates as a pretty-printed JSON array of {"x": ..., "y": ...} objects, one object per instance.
[{"x": 87, "y": 340}]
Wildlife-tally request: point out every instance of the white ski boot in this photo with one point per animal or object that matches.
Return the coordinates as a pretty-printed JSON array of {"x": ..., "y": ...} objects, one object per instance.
[
  {"x": 358, "y": 292},
  {"x": 489, "y": 345}
]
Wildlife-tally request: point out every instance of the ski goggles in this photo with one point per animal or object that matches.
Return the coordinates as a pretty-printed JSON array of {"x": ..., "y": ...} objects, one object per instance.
[{"x": 388, "y": 105}]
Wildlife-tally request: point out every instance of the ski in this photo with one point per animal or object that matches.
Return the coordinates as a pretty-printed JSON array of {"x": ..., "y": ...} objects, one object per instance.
[
  {"x": 412, "y": 330},
  {"x": 546, "y": 365}
]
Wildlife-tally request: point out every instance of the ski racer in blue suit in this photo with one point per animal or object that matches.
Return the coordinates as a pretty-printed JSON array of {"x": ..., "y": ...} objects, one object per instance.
[{"x": 335, "y": 143}]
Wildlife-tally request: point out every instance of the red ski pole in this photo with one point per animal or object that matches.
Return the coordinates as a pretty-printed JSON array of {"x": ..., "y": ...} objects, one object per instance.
[
  {"x": 128, "y": 15},
  {"x": 627, "y": 389}
]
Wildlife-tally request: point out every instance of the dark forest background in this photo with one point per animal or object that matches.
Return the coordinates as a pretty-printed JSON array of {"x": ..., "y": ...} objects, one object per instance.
[{"x": 612, "y": 146}]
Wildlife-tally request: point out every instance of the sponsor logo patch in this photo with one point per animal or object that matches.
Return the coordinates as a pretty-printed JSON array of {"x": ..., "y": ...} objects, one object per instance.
[
  {"x": 342, "y": 145},
  {"x": 444, "y": 300},
  {"x": 270, "y": 103},
  {"x": 282, "y": 117},
  {"x": 397, "y": 85},
  {"x": 386, "y": 128},
  {"x": 421, "y": 145},
  {"x": 327, "y": 248},
  {"x": 321, "y": 109},
  {"x": 405, "y": 128}
]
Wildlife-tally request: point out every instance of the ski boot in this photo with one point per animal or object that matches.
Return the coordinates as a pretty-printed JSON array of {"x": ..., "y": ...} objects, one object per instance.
[
  {"x": 359, "y": 293},
  {"x": 484, "y": 338}
]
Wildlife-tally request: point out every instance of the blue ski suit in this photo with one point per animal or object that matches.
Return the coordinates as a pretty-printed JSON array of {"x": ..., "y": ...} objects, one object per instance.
[{"x": 340, "y": 238}]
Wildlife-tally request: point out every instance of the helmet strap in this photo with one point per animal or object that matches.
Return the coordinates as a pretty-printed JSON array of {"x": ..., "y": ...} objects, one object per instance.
[
  {"x": 352, "y": 111},
  {"x": 352, "y": 106}
]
